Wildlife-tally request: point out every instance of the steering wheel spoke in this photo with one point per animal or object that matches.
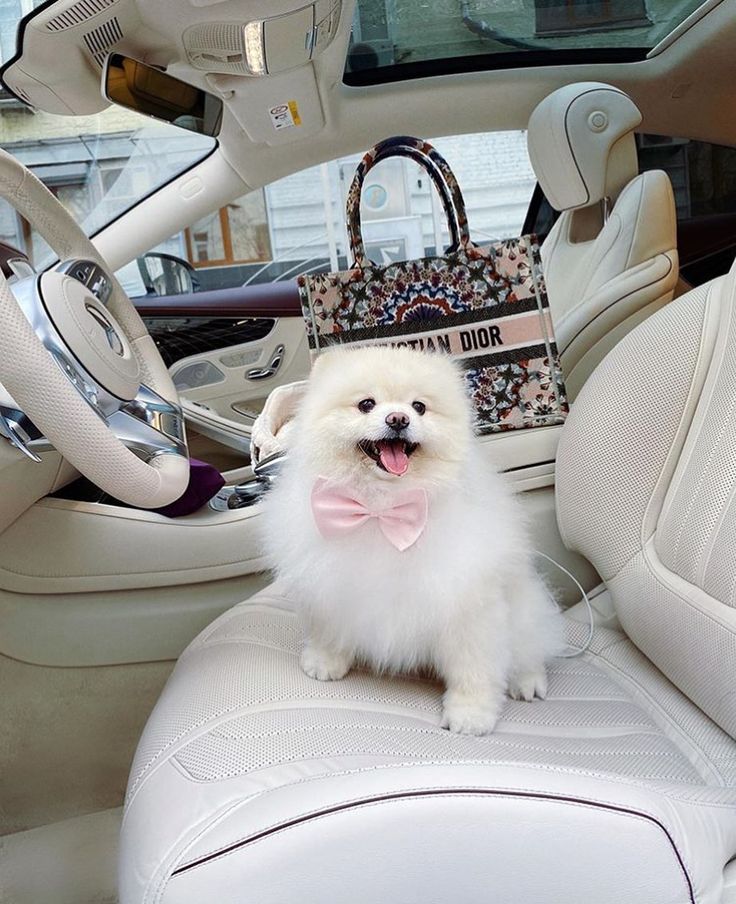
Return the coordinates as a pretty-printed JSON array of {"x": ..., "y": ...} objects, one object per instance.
[
  {"x": 21, "y": 432},
  {"x": 149, "y": 426},
  {"x": 83, "y": 374}
]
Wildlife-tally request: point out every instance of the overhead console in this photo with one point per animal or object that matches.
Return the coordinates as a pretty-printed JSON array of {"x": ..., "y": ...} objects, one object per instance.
[
  {"x": 263, "y": 46},
  {"x": 233, "y": 49}
]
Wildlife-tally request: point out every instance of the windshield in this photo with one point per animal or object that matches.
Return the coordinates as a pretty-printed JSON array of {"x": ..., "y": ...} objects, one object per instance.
[
  {"x": 97, "y": 166},
  {"x": 395, "y": 39}
]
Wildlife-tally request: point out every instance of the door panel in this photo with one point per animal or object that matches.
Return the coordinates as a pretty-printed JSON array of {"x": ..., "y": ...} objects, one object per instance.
[
  {"x": 233, "y": 392},
  {"x": 227, "y": 383},
  {"x": 186, "y": 337},
  {"x": 226, "y": 350}
]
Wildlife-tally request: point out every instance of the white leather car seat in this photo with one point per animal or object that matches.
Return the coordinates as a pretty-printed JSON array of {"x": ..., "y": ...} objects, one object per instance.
[
  {"x": 610, "y": 260},
  {"x": 254, "y": 783}
]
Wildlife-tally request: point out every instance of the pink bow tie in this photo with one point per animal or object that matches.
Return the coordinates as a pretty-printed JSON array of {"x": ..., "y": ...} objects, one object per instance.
[{"x": 336, "y": 510}]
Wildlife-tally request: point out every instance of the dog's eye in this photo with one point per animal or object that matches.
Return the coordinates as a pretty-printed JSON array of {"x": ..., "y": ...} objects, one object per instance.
[
  {"x": 366, "y": 405},
  {"x": 419, "y": 407}
]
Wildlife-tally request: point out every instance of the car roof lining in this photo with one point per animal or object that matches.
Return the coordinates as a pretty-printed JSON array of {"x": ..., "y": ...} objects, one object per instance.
[{"x": 675, "y": 92}]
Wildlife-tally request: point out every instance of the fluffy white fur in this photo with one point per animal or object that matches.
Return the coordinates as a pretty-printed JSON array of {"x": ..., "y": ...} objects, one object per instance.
[{"x": 465, "y": 599}]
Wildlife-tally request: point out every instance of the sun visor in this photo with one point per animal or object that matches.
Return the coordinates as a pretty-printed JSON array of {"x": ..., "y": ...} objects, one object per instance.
[
  {"x": 62, "y": 52},
  {"x": 239, "y": 54}
]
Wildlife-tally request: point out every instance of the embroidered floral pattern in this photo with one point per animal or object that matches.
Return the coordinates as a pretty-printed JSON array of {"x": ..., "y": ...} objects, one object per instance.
[
  {"x": 432, "y": 295},
  {"x": 508, "y": 396},
  {"x": 468, "y": 280}
]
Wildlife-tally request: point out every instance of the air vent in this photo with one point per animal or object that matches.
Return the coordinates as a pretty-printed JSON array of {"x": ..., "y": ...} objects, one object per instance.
[
  {"x": 216, "y": 47},
  {"x": 101, "y": 39},
  {"x": 78, "y": 14}
]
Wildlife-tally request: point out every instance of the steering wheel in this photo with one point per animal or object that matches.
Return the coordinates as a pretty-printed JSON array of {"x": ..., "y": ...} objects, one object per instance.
[{"x": 79, "y": 362}]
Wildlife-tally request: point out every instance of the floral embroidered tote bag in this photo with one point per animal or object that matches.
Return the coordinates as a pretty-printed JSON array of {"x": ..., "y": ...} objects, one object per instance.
[{"x": 486, "y": 306}]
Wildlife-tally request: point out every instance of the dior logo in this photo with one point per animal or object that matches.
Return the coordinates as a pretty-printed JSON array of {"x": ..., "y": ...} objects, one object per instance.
[
  {"x": 111, "y": 336},
  {"x": 482, "y": 337}
]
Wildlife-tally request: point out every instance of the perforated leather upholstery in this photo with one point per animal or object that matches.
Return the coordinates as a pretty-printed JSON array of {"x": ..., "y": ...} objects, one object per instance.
[
  {"x": 245, "y": 757},
  {"x": 604, "y": 275},
  {"x": 254, "y": 783},
  {"x": 657, "y": 418}
]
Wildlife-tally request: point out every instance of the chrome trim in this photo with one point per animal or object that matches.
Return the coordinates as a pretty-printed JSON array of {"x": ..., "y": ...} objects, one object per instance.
[
  {"x": 91, "y": 275},
  {"x": 28, "y": 296},
  {"x": 268, "y": 468},
  {"x": 148, "y": 425},
  {"x": 18, "y": 430},
  {"x": 250, "y": 492},
  {"x": 111, "y": 336},
  {"x": 261, "y": 373}
]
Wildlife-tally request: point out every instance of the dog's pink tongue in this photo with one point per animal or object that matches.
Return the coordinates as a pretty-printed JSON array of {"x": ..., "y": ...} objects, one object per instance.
[{"x": 393, "y": 458}]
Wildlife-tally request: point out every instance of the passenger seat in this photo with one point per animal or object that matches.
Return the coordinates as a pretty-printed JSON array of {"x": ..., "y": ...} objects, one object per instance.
[{"x": 610, "y": 260}]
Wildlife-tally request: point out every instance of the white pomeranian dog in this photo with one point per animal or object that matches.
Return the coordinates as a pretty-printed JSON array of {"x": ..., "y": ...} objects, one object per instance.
[{"x": 402, "y": 546}]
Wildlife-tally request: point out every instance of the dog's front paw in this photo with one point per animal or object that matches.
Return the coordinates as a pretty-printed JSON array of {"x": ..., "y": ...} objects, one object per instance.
[
  {"x": 466, "y": 714},
  {"x": 528, "y": 685},
  {"x": 324, "y": 665}
]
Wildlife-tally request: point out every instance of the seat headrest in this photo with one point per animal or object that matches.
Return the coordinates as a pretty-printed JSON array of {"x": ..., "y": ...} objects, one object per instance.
[{"x": 581, "y": 144}]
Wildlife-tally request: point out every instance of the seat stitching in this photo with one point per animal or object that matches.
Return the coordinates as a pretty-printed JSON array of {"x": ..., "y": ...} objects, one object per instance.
[
  {"x": 712, "y": 377},
  {"x": 583, "y": 803},
  {"x": 620, "y": 298},
  {"x": 637, "y": 219},
  {"x": 502, "y": 739},
  {"x": 485, "y": 756},
  {"x": 705, "y": 472},
  {"x": 729, "y": 504},
  {"x": 419, "y": 760},
  {"x": 152, "y": 764},
  {"x": 647, "y": 554},
  {"x": 677, "y": 438},
  {"x": 670, "y": 719},
  {"x": 607, "y": 779},
  {"x": 588, "y": 267},
  {"x": 267, "y": 606},
  {"x": 700, "y": 373},
  {"x": 147, "y": 769}
]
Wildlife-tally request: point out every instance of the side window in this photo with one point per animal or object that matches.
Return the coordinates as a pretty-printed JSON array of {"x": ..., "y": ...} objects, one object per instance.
[
  {"x": 232, "y": 236},
  {"x": 297, "y": 223},
  {"x": 98, "y": 166},
  {"x": 704, "y": 181}
]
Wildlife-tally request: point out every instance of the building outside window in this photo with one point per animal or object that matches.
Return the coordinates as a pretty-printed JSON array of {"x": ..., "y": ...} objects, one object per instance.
[
  {"x": 236, "y": 234},
  {"x": 566, "y": 17}
]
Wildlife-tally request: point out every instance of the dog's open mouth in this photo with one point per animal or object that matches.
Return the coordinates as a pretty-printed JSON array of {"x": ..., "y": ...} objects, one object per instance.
[{"x": 391, "y": 455}]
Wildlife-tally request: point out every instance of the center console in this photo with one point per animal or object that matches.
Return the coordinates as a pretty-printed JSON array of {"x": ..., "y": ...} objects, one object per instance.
[{"x": 116, "y": 584}]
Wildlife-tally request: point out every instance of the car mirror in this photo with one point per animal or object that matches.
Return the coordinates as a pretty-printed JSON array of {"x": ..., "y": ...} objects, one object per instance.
[
  {"x": 165, "y": 274},
  {"x": 137, "y": 86}
]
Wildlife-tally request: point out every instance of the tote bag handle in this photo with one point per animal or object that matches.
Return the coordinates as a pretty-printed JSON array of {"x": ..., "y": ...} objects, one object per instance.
[{"x": 438, "y": 171}]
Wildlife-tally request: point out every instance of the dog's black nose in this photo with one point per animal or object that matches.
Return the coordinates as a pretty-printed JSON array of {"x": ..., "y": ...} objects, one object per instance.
[{"x": 397, "y": 421}]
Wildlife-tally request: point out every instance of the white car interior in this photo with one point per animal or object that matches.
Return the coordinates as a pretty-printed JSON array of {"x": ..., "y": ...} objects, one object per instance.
[
  {"x": 153, "y": 653},
  {"x": 623, "y": 779},
  {"x": 226, "y": 411},
  {"x": 610, "y": 260}
]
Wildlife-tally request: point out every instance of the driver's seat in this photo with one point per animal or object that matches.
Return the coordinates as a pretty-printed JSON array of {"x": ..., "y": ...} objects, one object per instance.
[{"x": 254, "y": 783}]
